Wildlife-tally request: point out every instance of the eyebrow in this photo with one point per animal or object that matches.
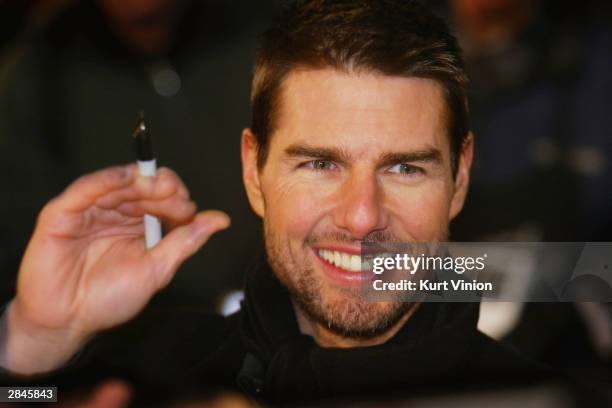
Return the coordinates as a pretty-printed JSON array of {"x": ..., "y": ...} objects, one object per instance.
[
  {"x": 323, "y": 153},
  {"x": 430, "y": 155},
  {"x": 341, "y": 156}
]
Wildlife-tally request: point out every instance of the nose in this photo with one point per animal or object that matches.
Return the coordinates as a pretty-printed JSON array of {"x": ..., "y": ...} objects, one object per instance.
[{"x": 361, "y": 210}]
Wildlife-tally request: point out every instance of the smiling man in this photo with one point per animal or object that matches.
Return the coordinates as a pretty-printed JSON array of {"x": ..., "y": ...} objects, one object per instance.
[
  {"x": 359, "y": 156},
  {"x": 367, "y": 107},
  {"x": 359, "y": 134}
]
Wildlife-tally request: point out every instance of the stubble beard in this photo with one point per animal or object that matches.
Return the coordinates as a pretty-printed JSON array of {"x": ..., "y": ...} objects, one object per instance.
[{"x": 343, "y": 311}]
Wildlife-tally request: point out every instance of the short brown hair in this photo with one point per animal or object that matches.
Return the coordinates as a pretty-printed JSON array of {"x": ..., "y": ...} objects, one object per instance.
[{"x": 391, "y": 37}]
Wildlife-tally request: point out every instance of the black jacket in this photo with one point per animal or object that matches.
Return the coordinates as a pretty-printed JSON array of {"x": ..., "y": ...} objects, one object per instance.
[{"x": 260, "y": 351}]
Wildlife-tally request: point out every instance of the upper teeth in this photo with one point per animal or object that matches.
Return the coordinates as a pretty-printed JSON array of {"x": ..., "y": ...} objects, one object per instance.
[{"x": 342, "y": 259}]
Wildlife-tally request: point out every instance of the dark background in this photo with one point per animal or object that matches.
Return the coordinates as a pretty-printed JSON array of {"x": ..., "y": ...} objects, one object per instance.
[{"x": 75, "y": 74}]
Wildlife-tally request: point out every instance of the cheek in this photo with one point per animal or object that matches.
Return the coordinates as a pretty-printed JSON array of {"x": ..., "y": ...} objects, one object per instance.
[
  {"x": 421, "y": 213},
  {"x": 295, "y": 208}
]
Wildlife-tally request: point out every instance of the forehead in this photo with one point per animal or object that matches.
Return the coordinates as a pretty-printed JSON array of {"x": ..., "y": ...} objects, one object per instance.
[{"x": 362, "y": 112}]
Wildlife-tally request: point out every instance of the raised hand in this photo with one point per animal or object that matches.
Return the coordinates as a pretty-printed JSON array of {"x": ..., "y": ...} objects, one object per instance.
[{"x": 86, "y": 267}]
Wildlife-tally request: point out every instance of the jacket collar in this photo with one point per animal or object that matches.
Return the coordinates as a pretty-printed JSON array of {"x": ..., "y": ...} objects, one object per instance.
[{"x": 286, "y": 364}]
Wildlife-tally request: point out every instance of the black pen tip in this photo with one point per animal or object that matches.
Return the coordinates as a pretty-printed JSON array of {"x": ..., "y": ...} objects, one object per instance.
[{"x": 142, "y": 138}]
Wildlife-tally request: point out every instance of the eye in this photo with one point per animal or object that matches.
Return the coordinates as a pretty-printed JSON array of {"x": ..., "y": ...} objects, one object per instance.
[
  {"x": 320, "y": 165},
  {"x": 407, "y": 169}
]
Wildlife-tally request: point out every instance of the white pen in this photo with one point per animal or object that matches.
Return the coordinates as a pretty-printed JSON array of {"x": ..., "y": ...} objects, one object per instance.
[{"x": 147, "y": 167}]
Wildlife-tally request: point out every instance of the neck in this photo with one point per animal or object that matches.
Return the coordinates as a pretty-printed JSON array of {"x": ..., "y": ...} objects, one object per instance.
[{"x": 327, "y": 338}]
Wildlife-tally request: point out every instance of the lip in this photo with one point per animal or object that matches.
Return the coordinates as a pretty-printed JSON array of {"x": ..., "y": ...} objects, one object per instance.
[
  {"x": 372, "y": 248},
  {"x": 353, "y": 250},
  {"x": 339, "y": 276}
]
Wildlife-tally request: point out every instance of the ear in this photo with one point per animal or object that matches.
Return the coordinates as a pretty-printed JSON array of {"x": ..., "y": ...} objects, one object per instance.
[
  {"x": 462, "y": 178},
  {"x": 250, "y": 171}
]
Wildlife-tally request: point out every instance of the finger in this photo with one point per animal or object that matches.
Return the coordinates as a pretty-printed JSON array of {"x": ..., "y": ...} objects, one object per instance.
[
  {"x": 173, "y": 177},
  {"x": 171, "y": 211},
  {"x": 87, "y": 189},
  {"x": 165, "y": 184},
  {"x": 183, "y": 242}
]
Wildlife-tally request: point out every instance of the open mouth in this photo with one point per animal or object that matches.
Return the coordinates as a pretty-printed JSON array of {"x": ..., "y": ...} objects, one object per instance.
[{"x": 342, "y": 260}]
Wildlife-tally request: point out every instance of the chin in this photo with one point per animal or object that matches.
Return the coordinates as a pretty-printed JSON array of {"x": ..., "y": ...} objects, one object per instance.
[{"x": 343, "y": 312}]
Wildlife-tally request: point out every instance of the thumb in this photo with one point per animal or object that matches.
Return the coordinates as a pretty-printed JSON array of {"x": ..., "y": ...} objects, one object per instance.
[{"x": 182, "y": 242}]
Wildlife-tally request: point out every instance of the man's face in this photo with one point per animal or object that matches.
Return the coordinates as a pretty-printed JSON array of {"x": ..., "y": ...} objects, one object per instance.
[{"x": 354, "y": 158}]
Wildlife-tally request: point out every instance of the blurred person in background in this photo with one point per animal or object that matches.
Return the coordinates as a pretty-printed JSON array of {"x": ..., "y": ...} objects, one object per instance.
[
  {"x": 540, "y": 86},
  {"x": 72, "y": 84}
]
